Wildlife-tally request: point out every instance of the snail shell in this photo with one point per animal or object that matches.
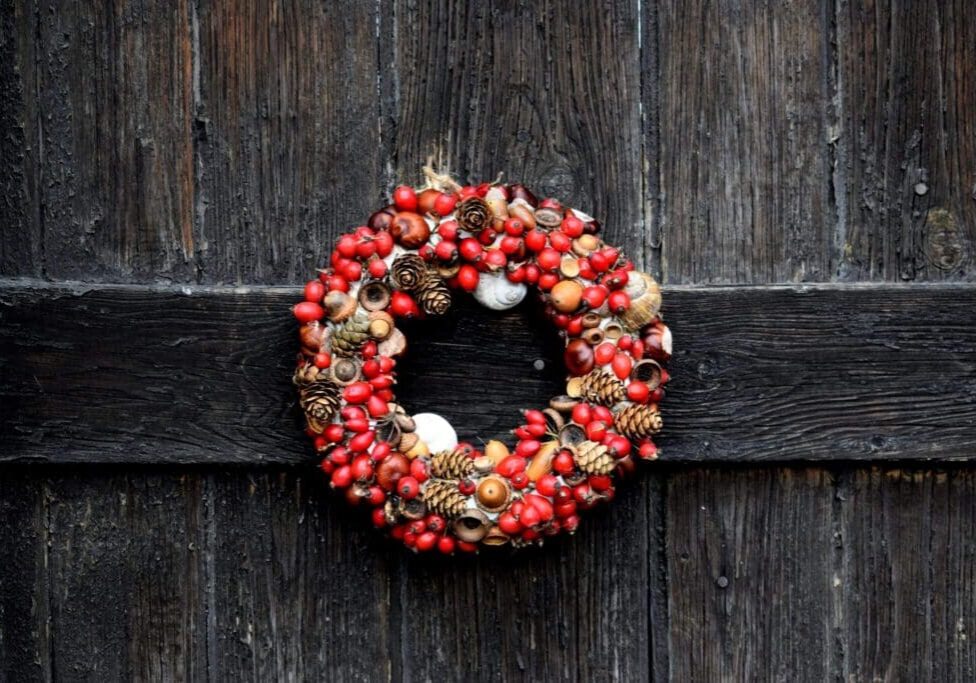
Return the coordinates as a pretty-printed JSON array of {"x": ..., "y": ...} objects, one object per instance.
[
  {"x": 645, "y": 301},
  {"x": 435, "y": 431},
  {"x": 497, "y": 292}
]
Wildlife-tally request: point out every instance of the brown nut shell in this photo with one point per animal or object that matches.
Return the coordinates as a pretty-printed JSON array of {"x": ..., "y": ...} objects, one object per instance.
[
  {"x": 345, "y": 371},
  {"x": 493, "y": 493},
  {"x": 472, "y": 525},
  {"x": 564, "y": 404},
  {"x": 374, "y": 296},
  {"x": 593, "y": 336},
  {"x": 339, "y": 306},
  {"x": 648, "y": 372}
]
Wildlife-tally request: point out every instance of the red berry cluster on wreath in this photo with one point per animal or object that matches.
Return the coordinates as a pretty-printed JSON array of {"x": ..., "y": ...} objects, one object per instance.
[{"x": 494, "y": 241}]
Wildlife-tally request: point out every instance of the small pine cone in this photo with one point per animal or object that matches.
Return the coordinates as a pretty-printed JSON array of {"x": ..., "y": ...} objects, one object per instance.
[
  {"x": 594, "y": 458},
  {"x": 350, "y": 336},
  {"x": 408, "y": 272},
  {"x": 473, "y": 214},
  {"x": 433, "y": 295},
  {"x": 638, "y": 421},
  {"x": 320, "y": 399},
  {"x": 304, "y": 375},
  {"x": 603, "y": 388},
  {"x": 443, "y": 498},
  {"x": 453, "y": 464}
]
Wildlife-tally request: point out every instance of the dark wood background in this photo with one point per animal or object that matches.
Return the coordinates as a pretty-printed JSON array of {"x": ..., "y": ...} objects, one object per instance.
[{"x": 802, "y": 177}]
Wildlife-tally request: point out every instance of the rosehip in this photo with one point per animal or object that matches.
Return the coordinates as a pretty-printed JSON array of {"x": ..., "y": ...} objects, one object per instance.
[
  {"x": 596, "y": 430},
  {"x": 594, "y": 296},
  {"x": 519, "y": 480},
  {"x": 405, "y": 198},
  {"x": 510, "y": 245},
  {"x": 534, "y": 417},
  {"x": 445, "y": 203},
  {"x": 322, "y": 360},
  {"x": 314, "y": 291},
  {"x": 547, "y": 485},
  {"x": 582, "y": 415},
  {"x": 510, "y": 465},
  {"x": 548, "y": 258},
  {"x": 377, "y": 406},
  {"x": 361, "y": 468},
  {"x": 445, "y": 545},
  {"x": 408, "y": 488},
  {"x": 402, "y": 305},
  {"x": 535, "y": 240},
  {"x": 559, "y": 241},
  {"x": 448, "y": 230},
  {"x": 361, "y": 442},
  {"x": 467, "y": 277},
  {"x": 446, "y": 251},
  {"x": 377, "y": 268},
  {"x": 334, "y": 433},
  {"x": 308, "y": 311},
  {"x": 509, "y": 524},
  {"x": 563, "y": 463},
  {"x": 471, "y": 249},
  {"x": 357, "y": 392},
  {"x": 572, "y": 226},
  {"x": 384, "y": 244},
  {"x": 527, "y": 448},
  {"x": 622, "y": 365},
  {"x": 379, "y": 518},
  {"x": 514, "y": 227},
  {"x": 618, "y": 301},
  {"x": 419, "y": 470},
  {"x": 426, "y": 541},
  {"x": 342, "y": 477},
  {"x": 547, "y": 281},
  {"x": 638, "y": 392},
  {"x": 495, "y": 259},
  {"x": 603, "y": 414}
]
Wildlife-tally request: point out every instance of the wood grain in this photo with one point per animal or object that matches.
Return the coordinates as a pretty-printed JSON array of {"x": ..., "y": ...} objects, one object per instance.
[
  {"x": 749, "y": 575},
  {"x": 908, "y": 574},
  {"x": 906, "y": 146},
  {"x": 288, "y": 119},
  {"x": 743, "y": 163},
  {"x": 300, "y": 587},
  {"x": 114, "y": 98},
  {"x": 134, "y": 374},
  {"x": 546, "y": 93}
]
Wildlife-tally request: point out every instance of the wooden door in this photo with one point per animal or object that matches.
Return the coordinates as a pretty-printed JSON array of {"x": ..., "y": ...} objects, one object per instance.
[{"x": 801, "y": 177}]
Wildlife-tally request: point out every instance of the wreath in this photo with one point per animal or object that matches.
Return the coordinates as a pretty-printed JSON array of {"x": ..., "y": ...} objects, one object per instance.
[{"x": 495, "y": 241}]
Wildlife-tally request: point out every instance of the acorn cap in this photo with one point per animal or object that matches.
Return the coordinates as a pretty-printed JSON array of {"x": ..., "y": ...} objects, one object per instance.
[
  {"x": 374, "y": 296},
  {"x": 563, "y": 403}
]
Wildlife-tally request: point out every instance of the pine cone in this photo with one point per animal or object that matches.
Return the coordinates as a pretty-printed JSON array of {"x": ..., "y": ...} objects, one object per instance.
[
  {"x": 453, "y": 464},
  {"x": 408, "y": 272},
  {"x": 320, "y": 401},
  {"x": 603, "y": 388},
  {"x": 433, "y": 295},
  {"x": 638, "y": 421},
  {"x": 443, "y": 498},
  {"x": 594, "y": 458},
  {"x": 350, "y": 336},
  {"x": 473, "y": 214}
]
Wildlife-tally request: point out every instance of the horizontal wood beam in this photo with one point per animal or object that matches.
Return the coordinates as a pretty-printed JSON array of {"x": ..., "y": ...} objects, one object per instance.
[{"x": 139, "y": 374}]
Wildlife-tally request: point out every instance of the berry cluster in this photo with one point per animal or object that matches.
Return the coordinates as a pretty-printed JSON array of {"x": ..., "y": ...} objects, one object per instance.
[{"x": 495, "y": 241}]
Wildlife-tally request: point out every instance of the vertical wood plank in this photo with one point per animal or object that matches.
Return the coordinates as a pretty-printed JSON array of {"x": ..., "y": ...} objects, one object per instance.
[
  {"x": 546, "y": 93},
  {"x": 907, "y": 139},
  {"x": 908, "y": 575},
  {"x": 114, "y": 97},
  {"x": 300, "y": 585},
  {"x": 743, "y": 152},
  {"x": 21, "y": 239},
  {"x": 126, "y": 573},
  {"x": 287, "y": 136},
  {"x": 25, "y": 643},
  {"x": 749, "y": 569}
]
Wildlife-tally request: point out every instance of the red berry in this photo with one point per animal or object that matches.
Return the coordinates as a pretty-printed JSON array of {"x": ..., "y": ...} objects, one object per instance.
[
  {"x": 510, "y": 245},
  {"x": 603, "y": 414},
  {"x": 648, "y": 450},
  {"x": 596, "y": 430},
  {"x": 334, "y": 433},
  {"x": 322, "y": 360},
  {"x": 365, "y": 249},
  {"x": 360, "y": 442},
  {"x": 419, "y": 469},
  {"x": 638, "y": 392},
  {"x": 622, "y": 365},
  {"x": 307, "y": 311},
  {"x": 511, "y": 465},
  {"x": 547, "y": 281},
  {"x": 604, "y": 353},
  {"x": 405, "y": 198},
  {"x": 384, "y": 244},
  {"x": 594, "y": 296},
  {"x": 560, "y": 241},
  {"x": 446, "y": 545},
  {"x": 574, "y": 327},
  {"x": 519, "y": 480},
  {"x": 514, "y": 227},
  {"x": 402, "y": 305},
  {"x": 548, "y": 259},
  {"x": 495, "y": 259},
  {"x": 408, "y": 487},
  {"x": 625, "y": 342},
  {"x": 377, "y": 268},
  {"x": 466, "y": 487},
  {"x": 582, "y": 415},
  {"x": 572, "y": 226},
  {"x": 598, "y": 261},
  {"x": 530, "y": 516},
  {"x": 346, "y": 246},
  {"x": 563, "y": 463},
  {"x": 535, "y": 240},
  {"x": 471, "y": 249},
  {"x": 376, "y": 406},
  {"x": 314, "y": 291},
  {"x": 532, "y": 273},
  {"x": 336, "y": 282},
  {"x": 509, "y": 524},
  {"x": 362, "y": 468},
  {"x": 379, "y": 518},
  {"x": 618, "y": 301},
  {"x": 357, "y": 392},
  {"x": 534, "y": 417},
  {"x": 547, "y": 485},
  {"x": 353, "y": 271},
  {"x": 448, "y": 230},
  {"x": 467, "y": 277},
  {"x": 426, "y": 541},
  {"x": 619, "y": 446},
  {"x": 446, "y": 251},
  {"x": 445, "y": 203},
  {"x": 342, "y": 477}
]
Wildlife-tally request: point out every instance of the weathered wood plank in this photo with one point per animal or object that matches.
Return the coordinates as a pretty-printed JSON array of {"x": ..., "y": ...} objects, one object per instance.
[
  {"x": 749, "y": 575},
  {"x": 909, "y": 567},
  {"x": 300, "y": 586},
  {"x": 127, "y": 577},
  {"x": 25, "y": 638},
  {"x": 744, "y": 195},
  {"x": 546, "y": 93},
  {"x": 906, "y": 143},
  {"x": 114, "y": 98},
  {"x": 133, "y": 374},
  {"x": 286, "y": 137},
  {"x": 575, "y": 610},
  {"x": 21, "y": 239}
]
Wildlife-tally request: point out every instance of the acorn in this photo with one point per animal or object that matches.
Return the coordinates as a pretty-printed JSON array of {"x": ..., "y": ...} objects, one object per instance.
[
  {"x": 380, "y": 325},
  {"x": 566, "y": 295},
  {"x": 522, "y": 212},
  {"x": 578, "y": 357},
  {"x": 410, "y": 229},
  {"x": 374, "y": 296},
  {"x": 493, "y": 493}
]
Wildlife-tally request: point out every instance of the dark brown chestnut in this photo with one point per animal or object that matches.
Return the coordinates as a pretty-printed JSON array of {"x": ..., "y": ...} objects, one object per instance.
[
  {"x": 578, "y": 357},
  {"x": 382, "y": 219},
  {"x": 410, "y": 229}
]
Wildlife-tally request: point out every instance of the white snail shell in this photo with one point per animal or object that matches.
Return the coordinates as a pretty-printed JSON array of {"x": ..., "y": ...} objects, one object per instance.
[
  {"x": 435, "y": 431},
  {"x": 497, "y": 292}
]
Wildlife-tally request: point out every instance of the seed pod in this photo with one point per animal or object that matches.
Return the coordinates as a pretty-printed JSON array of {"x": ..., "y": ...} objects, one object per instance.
[
  {"x": 637, "y": 421},
  {"x": 594, "y": 458},
  {"x": 351, "y": 335},
  {"x": 452, "y": 464},
  {"x": 443, "y": 498},
  {"x": 473, "y": 214},
  {"x": 408, "y": 272},
  {"x": 603, "y": 388}
]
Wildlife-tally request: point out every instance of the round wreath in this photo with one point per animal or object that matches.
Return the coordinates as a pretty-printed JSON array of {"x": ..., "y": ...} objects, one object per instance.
[{"x": 492, "y": 240}]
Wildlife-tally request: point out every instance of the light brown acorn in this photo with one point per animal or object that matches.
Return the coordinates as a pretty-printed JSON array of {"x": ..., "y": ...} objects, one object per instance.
[
  {"x": 603, "y": 388},
  {"x": 594, "y": 458},
  {"x": 443, "y": 498},
  {"x": 433, "y": 295},
  {"x": 350, "y": 336},
  {"x": 452, "y": 464},
  {"x": 638, "y": 421}
]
